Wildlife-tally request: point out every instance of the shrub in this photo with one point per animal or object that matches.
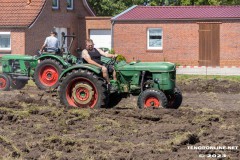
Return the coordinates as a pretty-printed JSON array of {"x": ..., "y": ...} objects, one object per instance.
[{"x": 120, "y": 57}]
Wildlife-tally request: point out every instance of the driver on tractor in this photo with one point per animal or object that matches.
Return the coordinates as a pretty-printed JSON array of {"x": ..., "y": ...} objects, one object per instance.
[{"x": 93, "y": 55}]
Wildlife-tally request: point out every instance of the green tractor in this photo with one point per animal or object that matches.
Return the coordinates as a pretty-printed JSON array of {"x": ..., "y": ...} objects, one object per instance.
[
  {"x": 82, "y": 85},
  {"x": 16, "y": 70},
  {"x": 44, "y": 68}
]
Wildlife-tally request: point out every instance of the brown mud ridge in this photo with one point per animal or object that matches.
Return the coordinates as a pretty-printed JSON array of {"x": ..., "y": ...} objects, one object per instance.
[
  {"x": 209, "y": 85},
  {"x": 35, "y": 126}
]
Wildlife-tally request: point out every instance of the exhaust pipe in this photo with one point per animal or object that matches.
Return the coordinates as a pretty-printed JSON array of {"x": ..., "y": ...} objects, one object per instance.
[{"x": 22, "y": 78}]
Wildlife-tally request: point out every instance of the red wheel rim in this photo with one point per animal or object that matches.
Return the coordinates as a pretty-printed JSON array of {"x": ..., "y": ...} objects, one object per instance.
[
  {"x": 151, "y": 102},
  {"x": 3, "y": 83},
  {"x": 48, "y": 75},
  {"x": 81, "y": 92}
]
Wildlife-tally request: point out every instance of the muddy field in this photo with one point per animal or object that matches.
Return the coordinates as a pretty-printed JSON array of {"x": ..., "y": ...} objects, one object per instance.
[{"x": 35, "y": 126}]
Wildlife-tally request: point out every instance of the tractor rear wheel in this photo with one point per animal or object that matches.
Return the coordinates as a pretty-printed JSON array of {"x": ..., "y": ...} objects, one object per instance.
[
  {"x": 18, "y": 84},
  {"x": 5, "y": 82},
  {"x": 82, "y": 88},
  {"x": 152, "y": 98},
  {"x": 47, "y": 73},
  {"x": 175, "y": 99}
]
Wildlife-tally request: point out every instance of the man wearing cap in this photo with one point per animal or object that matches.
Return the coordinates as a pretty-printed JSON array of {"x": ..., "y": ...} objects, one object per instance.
[{"x": 51, "y": 43}]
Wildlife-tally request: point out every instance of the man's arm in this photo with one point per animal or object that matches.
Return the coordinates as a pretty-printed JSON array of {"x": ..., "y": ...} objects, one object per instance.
[
  {"x": 87, "y": 58},
  {"x": 44, "y": 45},
  {"x": 106, "y": 54}
]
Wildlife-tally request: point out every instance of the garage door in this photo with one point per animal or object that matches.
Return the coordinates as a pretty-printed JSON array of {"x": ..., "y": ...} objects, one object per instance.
[{"x": 101, "y": 38}]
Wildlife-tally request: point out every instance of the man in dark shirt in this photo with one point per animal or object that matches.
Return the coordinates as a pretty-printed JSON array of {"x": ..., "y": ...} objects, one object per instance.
[{"x": 93, "y": 56}]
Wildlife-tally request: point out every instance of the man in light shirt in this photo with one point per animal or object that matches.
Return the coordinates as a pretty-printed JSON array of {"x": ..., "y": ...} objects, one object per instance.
[{"x": 51, "y": 43}]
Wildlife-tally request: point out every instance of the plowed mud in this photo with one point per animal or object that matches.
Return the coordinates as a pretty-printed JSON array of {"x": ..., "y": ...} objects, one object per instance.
[{"x": 35, "y": 126}]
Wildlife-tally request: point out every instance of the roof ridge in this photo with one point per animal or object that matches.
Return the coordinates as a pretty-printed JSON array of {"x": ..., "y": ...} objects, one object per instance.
[
  {"x": 191, "y": 6},
  {"x": 180, "y": 12},
  {"x": 120, "y": 14}
]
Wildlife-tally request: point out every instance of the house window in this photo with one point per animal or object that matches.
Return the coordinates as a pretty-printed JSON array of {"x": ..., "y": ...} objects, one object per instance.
[
  {"x": 154, "y": 38},
  {"x": 5, "y": 41},
  {"x": 70, "y": 4},
  {"x": 55, "y": 4}
]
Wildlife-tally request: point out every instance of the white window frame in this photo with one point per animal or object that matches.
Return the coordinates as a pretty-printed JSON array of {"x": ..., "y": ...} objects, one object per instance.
[
  {"x": 59, "y": 31},
  {"x": 148, "y": 39},
  {"x": 71, "y": 7},
  {"x": 6, "y": 33},
  {"x": 55, "y": 7}
]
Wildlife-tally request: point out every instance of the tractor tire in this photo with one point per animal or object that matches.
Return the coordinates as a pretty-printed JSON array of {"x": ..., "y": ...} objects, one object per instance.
[
  {"x": 47, "y": 73},
  {"x": 175, "y": 99},
  {"x": 18, "y": 84},
  {"x": 83, "y": 89},
  {"x": 152, "y": 98},
  {"x": 5, "y": 82}
]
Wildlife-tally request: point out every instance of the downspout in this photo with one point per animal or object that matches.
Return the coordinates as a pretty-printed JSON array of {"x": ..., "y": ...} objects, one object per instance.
[
  {"x": 112, "y": 33},
  {"x": 113, "y": 22},
  {"x": 78, "y": 36}
]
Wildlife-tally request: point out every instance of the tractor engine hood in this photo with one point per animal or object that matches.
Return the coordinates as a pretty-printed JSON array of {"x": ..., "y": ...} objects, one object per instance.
[
  {"x": 17, "y": 57},
  {"x": 148, "y": 66}
]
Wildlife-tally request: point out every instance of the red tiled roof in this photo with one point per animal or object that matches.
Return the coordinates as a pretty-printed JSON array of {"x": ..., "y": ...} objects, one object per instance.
[
  {"x": 18, "y": 13},
  {"x": 179, "y": 12}
]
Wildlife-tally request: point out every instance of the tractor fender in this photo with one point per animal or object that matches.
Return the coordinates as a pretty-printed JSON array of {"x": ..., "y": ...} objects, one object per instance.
[
  {"x": 90, "y": 67},
  {"x": 55, "y": 57}
]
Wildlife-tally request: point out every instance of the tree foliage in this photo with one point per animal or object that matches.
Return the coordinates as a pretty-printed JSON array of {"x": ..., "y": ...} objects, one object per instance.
[{"x": 114, "y": 7}]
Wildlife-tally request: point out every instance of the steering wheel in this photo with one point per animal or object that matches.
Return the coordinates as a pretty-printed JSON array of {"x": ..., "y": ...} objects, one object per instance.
[{"x": 111, "y": 62}]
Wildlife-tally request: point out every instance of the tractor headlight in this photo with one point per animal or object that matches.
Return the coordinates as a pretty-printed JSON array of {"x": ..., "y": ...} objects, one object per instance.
[{"x": 156, "y": 80}]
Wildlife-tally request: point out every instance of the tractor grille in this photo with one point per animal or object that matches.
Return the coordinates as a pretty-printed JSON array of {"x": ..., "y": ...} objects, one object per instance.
[{"x": 172, "y": 76}]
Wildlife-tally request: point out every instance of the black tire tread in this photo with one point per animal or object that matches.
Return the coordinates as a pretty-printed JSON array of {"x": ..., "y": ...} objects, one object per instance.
[{"x": 178, "y": 100}]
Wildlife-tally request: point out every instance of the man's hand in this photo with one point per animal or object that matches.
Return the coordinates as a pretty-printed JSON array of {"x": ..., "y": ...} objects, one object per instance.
[
  {"x": 114, "y": 55},
  {"x": 39, "y": 52},
  {"x": 104, "y": 69}
]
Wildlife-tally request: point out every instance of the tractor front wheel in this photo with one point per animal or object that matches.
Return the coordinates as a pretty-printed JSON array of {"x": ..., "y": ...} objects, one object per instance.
[
  {"x": 152, "y": 98},
  {"x": 47, "y": 73},
  {"x": 5, "y": 82},
  {"x": 175, "y": 99},
  {"x": 82, "y": 88}
]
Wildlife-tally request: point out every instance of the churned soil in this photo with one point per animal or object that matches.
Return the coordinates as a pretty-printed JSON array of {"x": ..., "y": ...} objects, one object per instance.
[{"x": 34, "y": 125}]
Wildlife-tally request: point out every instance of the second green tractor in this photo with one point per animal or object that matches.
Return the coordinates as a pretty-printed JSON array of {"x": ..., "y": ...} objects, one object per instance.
[{"x": 44, "y": 69}]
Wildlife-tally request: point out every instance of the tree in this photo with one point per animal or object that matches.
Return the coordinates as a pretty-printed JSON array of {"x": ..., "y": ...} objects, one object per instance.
[{"x": 107, "y": 7}]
